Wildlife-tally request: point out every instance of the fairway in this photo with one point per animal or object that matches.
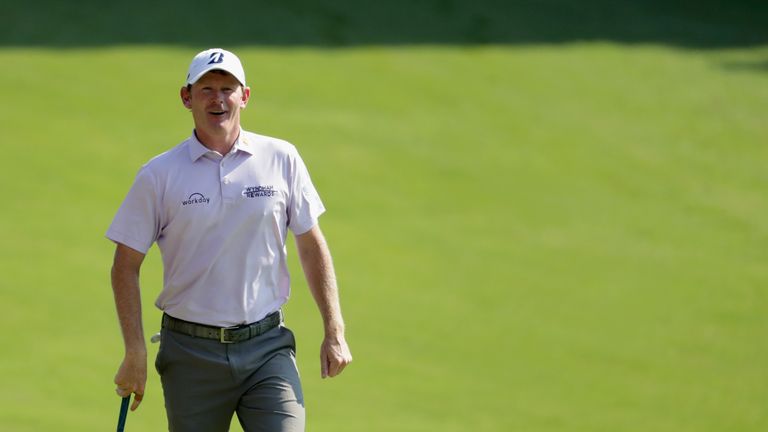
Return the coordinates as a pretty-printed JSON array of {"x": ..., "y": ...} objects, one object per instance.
[{"x": 531, "y": 237}]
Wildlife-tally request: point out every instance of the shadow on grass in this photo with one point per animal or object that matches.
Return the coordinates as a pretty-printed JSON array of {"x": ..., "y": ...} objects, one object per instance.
[
  {"x": 746, "y": 66},
  {"x": 90, "y": 23}
]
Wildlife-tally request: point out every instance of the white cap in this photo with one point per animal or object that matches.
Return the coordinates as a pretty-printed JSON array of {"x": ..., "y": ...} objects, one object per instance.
[{"x": 215, "y": 59}]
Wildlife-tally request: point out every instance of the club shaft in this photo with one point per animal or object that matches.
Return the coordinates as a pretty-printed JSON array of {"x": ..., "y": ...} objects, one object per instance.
[{"x": 123, "y": 413}]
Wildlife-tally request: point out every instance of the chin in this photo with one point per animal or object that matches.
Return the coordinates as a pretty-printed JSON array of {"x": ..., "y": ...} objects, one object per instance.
[{"x": 221, "y": 124}]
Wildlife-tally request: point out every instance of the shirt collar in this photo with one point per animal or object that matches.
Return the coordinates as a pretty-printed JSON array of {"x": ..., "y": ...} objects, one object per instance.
[
  {"x": 197, "y": 149},
  {"x": 244, "y": 144}
]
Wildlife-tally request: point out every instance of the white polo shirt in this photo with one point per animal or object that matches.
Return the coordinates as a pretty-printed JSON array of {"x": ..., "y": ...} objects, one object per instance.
[{"x": 221, "y": 225}]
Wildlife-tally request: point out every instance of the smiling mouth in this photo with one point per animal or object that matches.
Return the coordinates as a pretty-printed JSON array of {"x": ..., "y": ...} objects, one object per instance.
[{"x": 217, "y": 113}]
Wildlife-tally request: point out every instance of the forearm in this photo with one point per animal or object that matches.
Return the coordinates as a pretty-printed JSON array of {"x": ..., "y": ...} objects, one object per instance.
[
  {"x": 126, "y": 290},
  {"x": 131, "y": 377},
  {"x": 318, "y": 268},
  {"x": 321, "y": 278}
]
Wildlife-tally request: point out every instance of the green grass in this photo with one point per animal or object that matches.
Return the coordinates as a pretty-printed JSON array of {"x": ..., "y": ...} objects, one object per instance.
[{"x": 533, "y": 238}]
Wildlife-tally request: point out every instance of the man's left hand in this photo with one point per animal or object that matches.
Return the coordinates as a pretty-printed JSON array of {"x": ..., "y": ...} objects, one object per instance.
[{"x": 334, "y": 356}]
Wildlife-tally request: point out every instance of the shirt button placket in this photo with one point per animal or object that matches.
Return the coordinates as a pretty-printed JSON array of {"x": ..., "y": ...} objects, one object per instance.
[{"x": 225, "y": 181}]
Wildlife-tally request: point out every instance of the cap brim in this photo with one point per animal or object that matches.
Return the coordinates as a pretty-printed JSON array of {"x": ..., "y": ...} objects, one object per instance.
[{"x": 195, "y": 78}]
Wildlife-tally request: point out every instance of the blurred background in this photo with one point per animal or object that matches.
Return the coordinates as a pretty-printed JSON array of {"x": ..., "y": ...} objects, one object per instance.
[{"x": 545, "y": 215}]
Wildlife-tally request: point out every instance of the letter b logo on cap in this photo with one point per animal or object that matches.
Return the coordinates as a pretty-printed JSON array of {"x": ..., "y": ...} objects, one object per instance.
[{"x": 216, "y": 57}]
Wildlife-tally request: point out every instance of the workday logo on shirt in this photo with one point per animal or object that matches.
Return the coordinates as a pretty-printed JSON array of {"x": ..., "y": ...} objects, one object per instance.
[{"x": 196, "y": 198}]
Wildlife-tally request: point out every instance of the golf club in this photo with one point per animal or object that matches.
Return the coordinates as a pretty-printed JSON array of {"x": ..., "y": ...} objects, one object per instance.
[{"x": 123, "y": 413}]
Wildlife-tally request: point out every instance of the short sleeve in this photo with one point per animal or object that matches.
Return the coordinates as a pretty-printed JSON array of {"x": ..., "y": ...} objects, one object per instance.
[
  {"x": 137, "y": 221},
  {"x": 304, "y": 206}
]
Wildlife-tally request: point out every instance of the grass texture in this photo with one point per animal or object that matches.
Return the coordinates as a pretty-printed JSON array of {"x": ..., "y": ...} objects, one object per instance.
[{"x": 542, "y": 237}]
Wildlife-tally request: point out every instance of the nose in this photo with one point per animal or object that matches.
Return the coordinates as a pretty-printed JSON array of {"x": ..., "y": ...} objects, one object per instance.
[{"x": 218, "y": 98}]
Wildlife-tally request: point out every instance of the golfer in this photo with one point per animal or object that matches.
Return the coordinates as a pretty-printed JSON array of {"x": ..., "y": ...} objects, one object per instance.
[{"x": 220, "y": 205}]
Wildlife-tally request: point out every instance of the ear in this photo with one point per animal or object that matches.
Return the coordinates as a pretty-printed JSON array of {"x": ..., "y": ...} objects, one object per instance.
[
  {"x": 185, "y": 95},
  {"x": 246, "y": 97}
]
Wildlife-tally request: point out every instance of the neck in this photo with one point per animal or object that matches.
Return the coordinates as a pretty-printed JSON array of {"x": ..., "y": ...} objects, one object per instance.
[{"x": 221, "y": 143}]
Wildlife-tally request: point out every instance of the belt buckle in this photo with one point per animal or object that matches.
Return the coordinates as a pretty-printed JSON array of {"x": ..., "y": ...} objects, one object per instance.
[{"x": 222, "y": 332}]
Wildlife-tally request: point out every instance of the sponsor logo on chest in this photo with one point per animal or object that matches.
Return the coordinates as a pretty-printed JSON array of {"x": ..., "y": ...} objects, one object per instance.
[
  {"x": 259, "y": 191},
  {"x": 196, "y": 198}
]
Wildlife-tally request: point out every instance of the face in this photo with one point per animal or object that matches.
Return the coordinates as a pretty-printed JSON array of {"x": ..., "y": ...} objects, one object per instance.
[{"x": 215, "y": 101}]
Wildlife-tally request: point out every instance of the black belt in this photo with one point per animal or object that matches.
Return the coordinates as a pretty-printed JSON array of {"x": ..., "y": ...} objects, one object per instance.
[{"x": 223, "y": 334}]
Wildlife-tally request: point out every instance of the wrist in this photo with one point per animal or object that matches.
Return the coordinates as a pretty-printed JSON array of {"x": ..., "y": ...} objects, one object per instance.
[
  {"x": 138, "y": 352},
  {"x": 334, "y": 329}
]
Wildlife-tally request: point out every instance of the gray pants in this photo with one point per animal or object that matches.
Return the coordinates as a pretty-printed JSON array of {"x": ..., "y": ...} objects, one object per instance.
[{"x": 205, "y": 382}]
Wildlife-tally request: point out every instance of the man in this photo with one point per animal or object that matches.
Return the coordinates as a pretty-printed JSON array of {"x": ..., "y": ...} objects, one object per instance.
[{"x": 219, "y": 206}]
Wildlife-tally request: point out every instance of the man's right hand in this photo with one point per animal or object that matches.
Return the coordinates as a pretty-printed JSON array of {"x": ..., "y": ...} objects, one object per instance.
[{"x": 131, "y": 377}]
